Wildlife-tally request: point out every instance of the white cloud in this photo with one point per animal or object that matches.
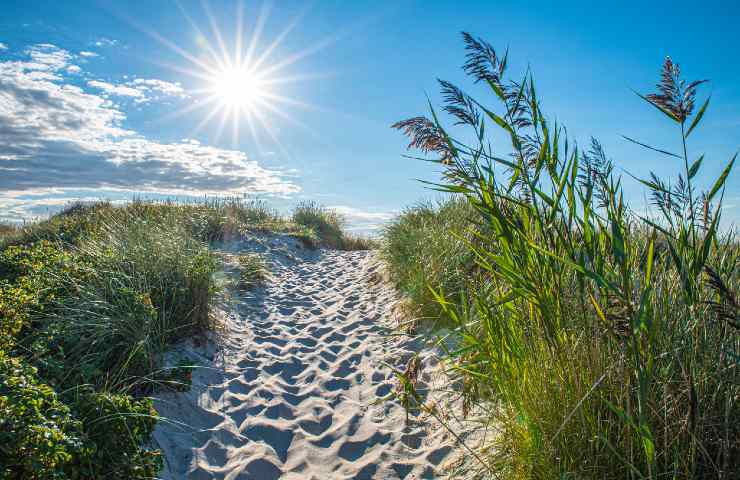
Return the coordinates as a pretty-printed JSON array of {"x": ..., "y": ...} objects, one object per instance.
[
  {"x": 105, "y": 42},
  {"x": 140, "y": 90},
  {"x": 73, "y": 69},
  {"x": 56, "y": 137},
  {"x": 117, "y": 90},
  {"x": 88, "y": 54},
  {"x": 45, "y": 57},
  {"x": 362, "y": 220},
  {"x": 3, "y": 46},
  {"x": 155, "y": 85}
]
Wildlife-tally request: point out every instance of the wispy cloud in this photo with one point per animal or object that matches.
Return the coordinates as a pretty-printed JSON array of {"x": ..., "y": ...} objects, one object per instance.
[
  {"x": 88, "y": 54},
  {"x": 105, "y": 42},
  {"x": 363, "y": 220},
  {"x": 3, "y": 46},
  {"x": 56, "y": 136},
  {"x": 155, "y": 87},
  {"x": 141, "y": 90},
  {"x": 117, "y": 90}
]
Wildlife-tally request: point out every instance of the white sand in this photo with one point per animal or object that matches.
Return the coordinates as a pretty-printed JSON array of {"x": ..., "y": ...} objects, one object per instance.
[{"x": 292, "y": 392}]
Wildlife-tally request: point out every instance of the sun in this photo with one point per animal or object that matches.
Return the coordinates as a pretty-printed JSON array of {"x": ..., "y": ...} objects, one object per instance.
[
  {"x": 236, "y": 75},
  {"x": 238, "y": 87}
]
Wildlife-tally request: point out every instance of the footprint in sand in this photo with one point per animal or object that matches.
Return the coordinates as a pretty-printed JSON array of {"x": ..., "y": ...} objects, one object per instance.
[{"x": 294, "y": 394}]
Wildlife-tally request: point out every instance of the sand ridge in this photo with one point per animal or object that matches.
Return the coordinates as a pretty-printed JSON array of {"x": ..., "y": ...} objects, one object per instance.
[{"x": 293, "y": 392}]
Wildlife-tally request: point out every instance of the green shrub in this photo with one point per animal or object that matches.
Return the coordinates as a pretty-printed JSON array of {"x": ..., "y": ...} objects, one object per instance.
[
  {"x": 116, "y": 427},
  {"x": 39, "y": 438},
  {"x": 600, "y": 344}
]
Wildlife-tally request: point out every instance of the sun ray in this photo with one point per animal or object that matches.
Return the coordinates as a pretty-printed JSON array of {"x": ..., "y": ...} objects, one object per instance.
[
  {"x": 227, "y": 112},
  {"x": 282, "y": 114},
  {"x": 291, "y": 59},
  {"x": 187, "y": 109},
  {"x": 279, "y": 39},
  {"x": 214, "y": 111},
  {"x": 267, "y": 128},
  {"x": 253, "y": 130},
  {"x": 235, "y": 131},
  {"x": 199, "y": 33},
  {"x": 216, "y": 32},
  {"x": 167, "y": 43},
  {"x": 291, "y": 101},
  {"x": 257, "y": 33},
  {"x": 239, "y": 79},
  {"x": 239, "y": 29},
  {"x": 299, "y": 77}
]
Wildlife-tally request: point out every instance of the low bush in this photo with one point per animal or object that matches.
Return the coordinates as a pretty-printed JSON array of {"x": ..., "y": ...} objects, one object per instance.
[
  {"x": 327, "y": 224},
  {"x": 39, "y": 437}
]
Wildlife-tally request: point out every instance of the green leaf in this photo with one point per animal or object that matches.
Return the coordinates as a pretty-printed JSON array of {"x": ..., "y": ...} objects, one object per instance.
[
  {"x": 499, "y": 121},
  {"x": 697, "y": 118},
  {"x": 618, "y": 249},
  {"x": 664, "y": 152},
  {"x": 667, "y": 112},
  {"x": 649, "y": 266},
  {"x": 695, "y": 167},
  {"x": 497, "y": 90},
  {"x": 721, "y": 180}
]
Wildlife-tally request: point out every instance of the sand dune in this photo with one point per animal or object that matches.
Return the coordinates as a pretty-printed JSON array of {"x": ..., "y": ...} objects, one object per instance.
[{"x": 291, "y": 390}]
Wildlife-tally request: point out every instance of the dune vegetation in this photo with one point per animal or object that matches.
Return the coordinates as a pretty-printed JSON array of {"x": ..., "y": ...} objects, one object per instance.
[
  {"x": 90, "y": 300},
  {"x": 596, "y": 340}
]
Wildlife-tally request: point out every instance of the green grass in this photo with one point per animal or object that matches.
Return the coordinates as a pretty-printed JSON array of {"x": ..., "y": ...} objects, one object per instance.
[
  {"x": 90, "y": 300},
  {"x": 328, "y": 226},
  {"x": 6, "y": 230},
  {"x": 599, "y": 344},
  {"x": 426, "y": 250},
  {"x": 252, "y": 270}
]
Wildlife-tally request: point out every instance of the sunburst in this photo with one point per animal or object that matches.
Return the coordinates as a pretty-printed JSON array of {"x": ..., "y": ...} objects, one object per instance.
[{"x": 240, "y": 81}]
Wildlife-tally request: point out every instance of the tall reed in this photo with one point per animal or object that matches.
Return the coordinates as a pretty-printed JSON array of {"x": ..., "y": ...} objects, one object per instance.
[{"x": 603, "y": 344}]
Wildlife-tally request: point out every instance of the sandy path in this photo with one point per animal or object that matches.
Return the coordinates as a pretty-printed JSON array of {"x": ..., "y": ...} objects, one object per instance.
[{"x": 292, "y": 394}]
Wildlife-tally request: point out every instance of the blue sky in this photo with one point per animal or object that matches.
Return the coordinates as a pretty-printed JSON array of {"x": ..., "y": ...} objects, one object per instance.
[{"x": 97, "y": 97}]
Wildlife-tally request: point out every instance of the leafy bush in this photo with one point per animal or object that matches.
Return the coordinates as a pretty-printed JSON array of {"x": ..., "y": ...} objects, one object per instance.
[
  {"x": 601, "y": 344},
  {"x": 116, "y": 426},
  {"x": 38, "y": 435}
]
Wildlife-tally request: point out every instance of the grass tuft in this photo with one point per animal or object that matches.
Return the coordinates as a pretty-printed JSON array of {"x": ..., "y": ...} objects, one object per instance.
[
  {"x": 328, "y": 226},
  {"x": 253, "y": 270},
  {"x": 426, "y": 250}
]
